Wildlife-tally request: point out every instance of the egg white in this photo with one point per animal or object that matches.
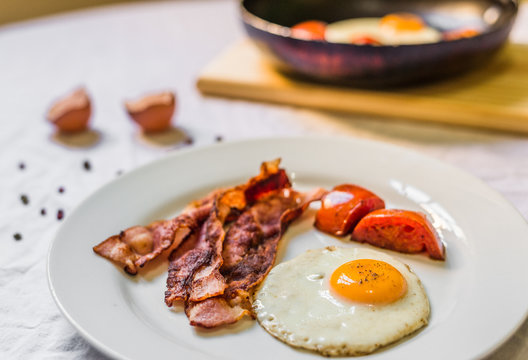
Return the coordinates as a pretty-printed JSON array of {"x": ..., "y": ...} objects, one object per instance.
[
  {"x": 343, "y": 31},
  {"x": 296, "y": 305}
]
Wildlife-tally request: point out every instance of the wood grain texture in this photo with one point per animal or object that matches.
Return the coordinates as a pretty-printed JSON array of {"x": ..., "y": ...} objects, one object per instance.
[{"x": 494, "y": 96}]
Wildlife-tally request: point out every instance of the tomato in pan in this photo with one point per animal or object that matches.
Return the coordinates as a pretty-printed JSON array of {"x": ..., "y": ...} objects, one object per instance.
[{"x": 309, "y": 30}]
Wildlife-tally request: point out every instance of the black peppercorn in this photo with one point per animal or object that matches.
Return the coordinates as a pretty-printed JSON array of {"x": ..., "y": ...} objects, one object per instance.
[{"x": 87, "y": 166}]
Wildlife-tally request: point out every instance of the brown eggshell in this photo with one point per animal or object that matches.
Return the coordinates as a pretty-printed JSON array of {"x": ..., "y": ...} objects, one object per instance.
[
  {"x": 153, "y": 113},
  {"x": 71, "y": 113}
]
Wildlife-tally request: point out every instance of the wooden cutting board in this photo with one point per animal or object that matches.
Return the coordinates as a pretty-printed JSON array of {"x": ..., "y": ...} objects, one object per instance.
[{"x": 493, "y": 97}]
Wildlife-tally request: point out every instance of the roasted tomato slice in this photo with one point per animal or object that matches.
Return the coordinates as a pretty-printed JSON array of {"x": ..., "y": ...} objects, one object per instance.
[
  {"x": 401, "y": 230},
  {"x": 309, "y": 30},
  {"x": 460, "y": 34},
  {"x": 343, "y": 207},
  {"x": 365, "y": 40}
]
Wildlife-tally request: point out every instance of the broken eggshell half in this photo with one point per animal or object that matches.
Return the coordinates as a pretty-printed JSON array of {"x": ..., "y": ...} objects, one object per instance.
[
  {"x": 153, "y": 113},
  {"x": 71, "y": 113}
]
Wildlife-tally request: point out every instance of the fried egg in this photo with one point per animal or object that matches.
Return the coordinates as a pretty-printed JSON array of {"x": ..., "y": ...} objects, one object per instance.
[
  {"x": 392, "y": 29},
  {"x": 341, "y": 301}
]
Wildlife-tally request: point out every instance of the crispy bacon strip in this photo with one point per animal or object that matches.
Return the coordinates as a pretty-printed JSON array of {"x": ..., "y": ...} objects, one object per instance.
[
  {"x": 194, "y": 270},
  {"x": 135, "y": 246},
  {"x": 194, "y": 273},
  {"x": 216, "y": 311},
  {"x": 267, "y": 221},
  {"x": 249, "y": 252}
]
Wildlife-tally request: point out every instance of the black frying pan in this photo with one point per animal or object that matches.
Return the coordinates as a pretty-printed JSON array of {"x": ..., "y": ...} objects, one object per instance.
[{"x": 268, "y": 23}]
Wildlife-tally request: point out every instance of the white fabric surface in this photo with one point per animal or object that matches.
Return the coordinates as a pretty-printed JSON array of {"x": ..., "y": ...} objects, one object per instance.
[{"x": 120, "y": 52}]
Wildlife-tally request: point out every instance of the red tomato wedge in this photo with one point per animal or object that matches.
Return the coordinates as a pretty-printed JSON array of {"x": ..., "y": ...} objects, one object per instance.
[
  {"x": 365, "y": 40},
  {"x": 400, "y": 230},
  {"x": 309, "y": 30},
  {"x": 343, "y": 207},
  {"x": 460, "y": 34}
]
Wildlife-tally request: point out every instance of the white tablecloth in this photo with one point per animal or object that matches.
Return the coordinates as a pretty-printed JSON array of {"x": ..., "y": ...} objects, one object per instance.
[{"x": 118, "y": 53}]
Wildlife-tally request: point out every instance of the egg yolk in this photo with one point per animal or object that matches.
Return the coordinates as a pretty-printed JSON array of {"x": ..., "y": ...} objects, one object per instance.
[
  {"x": 402, "y": 22},
  {"x": 368, "y": 281}
]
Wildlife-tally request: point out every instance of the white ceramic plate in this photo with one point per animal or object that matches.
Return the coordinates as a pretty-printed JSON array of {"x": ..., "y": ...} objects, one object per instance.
[{"x": 479, "y": 296}]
